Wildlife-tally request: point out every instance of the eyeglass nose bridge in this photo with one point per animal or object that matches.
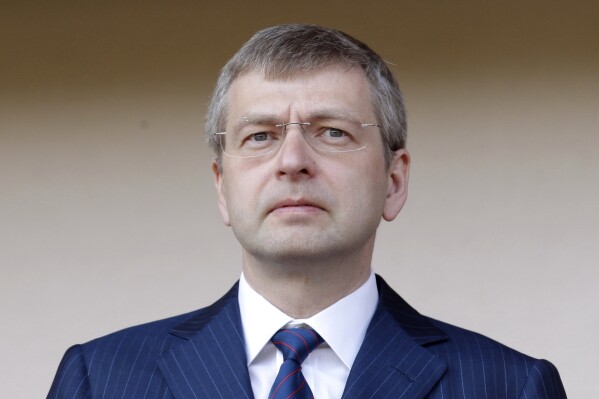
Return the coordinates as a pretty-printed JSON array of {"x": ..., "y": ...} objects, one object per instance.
[{"x": 301, "y": 125}]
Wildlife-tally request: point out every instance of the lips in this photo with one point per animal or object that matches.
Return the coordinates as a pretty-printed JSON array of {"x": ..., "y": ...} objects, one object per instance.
[{"x": 295, "y": 204}]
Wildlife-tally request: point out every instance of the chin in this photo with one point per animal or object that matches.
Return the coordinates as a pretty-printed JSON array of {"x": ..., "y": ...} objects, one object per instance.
[{"x": 300, "y": 252}]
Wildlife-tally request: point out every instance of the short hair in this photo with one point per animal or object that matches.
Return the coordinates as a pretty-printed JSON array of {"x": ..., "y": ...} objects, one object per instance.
[{"x": 282, "y": 51}]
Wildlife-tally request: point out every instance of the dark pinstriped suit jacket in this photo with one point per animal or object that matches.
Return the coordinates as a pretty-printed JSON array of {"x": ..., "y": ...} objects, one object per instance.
[{"x": 201, "y": 355}]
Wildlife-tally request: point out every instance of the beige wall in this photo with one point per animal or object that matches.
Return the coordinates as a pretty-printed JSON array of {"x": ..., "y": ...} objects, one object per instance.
[{"x": 106, "y": 196}]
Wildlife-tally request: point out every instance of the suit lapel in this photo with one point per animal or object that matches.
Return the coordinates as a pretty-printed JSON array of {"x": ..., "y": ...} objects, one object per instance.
[
  {"x": 392, "y": 362},
  {"x": 210, "y": 360}
]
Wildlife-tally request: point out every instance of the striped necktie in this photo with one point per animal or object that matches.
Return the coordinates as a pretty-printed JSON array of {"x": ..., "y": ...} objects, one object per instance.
[{"x": 295, "y": 344}]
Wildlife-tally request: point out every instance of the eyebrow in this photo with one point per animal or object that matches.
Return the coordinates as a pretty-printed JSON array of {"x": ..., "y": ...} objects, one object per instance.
[
  {"x": 331, "y": 114},
  {"x": 271, "y": 119},
  {"x": 257, "y": 119}
]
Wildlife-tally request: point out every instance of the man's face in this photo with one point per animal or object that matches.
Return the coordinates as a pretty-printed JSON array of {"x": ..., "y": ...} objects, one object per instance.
[{"x": 301, "y": 203}]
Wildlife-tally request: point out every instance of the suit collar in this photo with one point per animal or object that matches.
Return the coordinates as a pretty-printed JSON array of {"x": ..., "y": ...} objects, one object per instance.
[
  {"x": 392, "y": 359},
  {"x": 195, "y": 324},
  {"x": 209, "y": 361},
  {"x": 418, "y": 327}
]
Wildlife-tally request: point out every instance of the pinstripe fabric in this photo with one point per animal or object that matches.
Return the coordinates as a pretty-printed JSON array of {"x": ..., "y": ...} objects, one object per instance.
[
  {"x": 196, "y": 355},
  {"x": 201, "y": 355},
  {"x": 407, "y": 355},
  {"x": 295, "y": 344}
]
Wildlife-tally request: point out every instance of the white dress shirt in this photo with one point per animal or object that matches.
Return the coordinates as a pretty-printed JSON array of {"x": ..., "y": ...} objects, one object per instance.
[{"x": 342, "y": 325}]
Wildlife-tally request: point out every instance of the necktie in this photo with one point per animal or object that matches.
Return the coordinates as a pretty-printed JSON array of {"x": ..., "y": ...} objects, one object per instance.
[{"x": 295, "y": 344}]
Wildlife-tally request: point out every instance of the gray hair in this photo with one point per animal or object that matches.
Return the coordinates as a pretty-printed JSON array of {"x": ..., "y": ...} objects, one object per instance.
[{"x": 282, "y": 51}]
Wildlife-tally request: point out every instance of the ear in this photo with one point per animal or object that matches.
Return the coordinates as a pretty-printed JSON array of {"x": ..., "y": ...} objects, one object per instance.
[
  {"x": 220, "y": 191},
  {"x": 397, "y": 190}
]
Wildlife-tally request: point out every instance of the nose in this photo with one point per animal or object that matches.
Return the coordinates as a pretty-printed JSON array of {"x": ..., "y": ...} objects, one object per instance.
[{"x": 295, "y": 158}]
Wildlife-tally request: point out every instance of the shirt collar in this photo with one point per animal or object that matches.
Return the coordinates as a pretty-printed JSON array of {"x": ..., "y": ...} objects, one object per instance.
[
  {"x": 342, "y": 325},
  {"x": 259, "y": 318}
]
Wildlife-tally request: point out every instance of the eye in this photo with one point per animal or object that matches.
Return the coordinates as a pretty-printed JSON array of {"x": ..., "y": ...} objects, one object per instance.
[
  {"x": 334, "y": 133},
  {"x": 331, "y": 138},
  {"x": 260, "y": 136}
]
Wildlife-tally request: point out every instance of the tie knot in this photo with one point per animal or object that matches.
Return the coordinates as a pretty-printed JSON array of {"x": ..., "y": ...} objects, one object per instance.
[{"x": 296, "y": 343}]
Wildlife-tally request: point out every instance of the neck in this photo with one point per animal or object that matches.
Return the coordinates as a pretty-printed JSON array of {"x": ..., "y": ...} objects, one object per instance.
[{"x": 303, "y": 289}]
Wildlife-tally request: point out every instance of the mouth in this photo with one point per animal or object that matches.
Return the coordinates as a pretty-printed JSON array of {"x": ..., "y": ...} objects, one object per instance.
[{"x": 296, "y": 206}]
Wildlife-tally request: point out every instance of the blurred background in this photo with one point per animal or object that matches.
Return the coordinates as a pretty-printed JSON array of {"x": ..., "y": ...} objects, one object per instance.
[{"x": 106, "y": 196}]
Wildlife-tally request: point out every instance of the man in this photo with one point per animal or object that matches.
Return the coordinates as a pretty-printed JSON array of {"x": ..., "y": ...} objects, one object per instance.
[{"x": 309, "y": 129}]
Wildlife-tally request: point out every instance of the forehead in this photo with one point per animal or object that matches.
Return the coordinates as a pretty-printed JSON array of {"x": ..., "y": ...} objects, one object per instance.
[{"x": 334, "y": 88}]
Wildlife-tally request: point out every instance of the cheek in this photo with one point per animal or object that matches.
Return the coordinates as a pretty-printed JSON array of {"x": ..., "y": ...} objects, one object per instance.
[
  {"x": 375, "y": 192},
  {"x": 234, "y": 192},
  {"x": 241, "y": 192},
  {"x": 363, "y": 194}
]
